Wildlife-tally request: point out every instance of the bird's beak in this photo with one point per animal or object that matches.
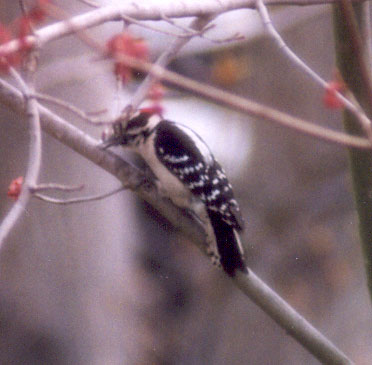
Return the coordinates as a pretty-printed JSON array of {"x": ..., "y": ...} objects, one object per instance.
[{"x": 109, "y": 139}]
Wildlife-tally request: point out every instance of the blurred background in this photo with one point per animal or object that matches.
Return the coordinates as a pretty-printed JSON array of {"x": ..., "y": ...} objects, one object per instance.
[{"x": 111, "y": 282}]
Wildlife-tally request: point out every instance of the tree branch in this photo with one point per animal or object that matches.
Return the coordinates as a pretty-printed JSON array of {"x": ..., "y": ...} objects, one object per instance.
[
  {"x": 294, "y": 324},
  {"x": 34, "y": 158},
  {"x": 143, "y": 11},
  {"x": 260, "y": 293}
]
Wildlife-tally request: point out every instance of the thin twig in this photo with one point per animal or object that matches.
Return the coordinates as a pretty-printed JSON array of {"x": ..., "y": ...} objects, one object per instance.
[
  {"x": 201, "y": 34},
  {"x": 85, "y": 116},
  {"x": 131, "y": 20},
  {"x": 90, "y": 3},
  {"x": 233, "y": 38},
  {"x": 77, "y": 200},
  {"x": 186, "y": 30},
  {"x": 357, "y": 111},
  {"x": 54, "y": 186}
]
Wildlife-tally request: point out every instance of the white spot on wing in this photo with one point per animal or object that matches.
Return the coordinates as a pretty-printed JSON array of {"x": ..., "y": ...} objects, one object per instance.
[
  {"x": 199, "y": 166},
  {"x": 213, "y": 195},
  {"x": 223, "y": 207},
  {"x": 175, "y": 159},
  {"x": 196, "y": 184},
  {"x": 221, "y": 175}
]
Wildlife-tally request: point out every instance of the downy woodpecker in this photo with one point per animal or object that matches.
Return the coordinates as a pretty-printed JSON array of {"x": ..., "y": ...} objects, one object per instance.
[{"x": 188, "y": 174}]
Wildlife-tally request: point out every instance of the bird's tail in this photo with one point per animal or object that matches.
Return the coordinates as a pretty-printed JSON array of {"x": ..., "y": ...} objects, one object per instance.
[{"x": 228, "y": 244}]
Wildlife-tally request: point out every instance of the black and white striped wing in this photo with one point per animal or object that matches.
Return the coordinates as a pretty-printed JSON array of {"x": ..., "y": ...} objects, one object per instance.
[{"x": 187, "y": 156}]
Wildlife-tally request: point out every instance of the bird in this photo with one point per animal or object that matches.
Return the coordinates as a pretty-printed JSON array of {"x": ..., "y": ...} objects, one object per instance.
[{"x": 188, "y": 174}]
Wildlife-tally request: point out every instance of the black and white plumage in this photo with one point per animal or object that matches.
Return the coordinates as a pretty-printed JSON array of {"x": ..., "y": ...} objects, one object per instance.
[{"x": 189, "y": 175}]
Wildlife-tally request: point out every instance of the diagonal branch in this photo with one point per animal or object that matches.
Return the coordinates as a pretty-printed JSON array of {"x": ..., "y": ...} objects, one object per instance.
[
  {"x": 270, "y": 302},
  {"x": 248, "y": 106},
  {"x": 295, "y": 325}
]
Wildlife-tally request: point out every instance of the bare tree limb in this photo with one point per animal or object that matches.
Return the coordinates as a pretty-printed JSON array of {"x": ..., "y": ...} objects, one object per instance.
[
  {"x": 260, "y": 293},
  {"x": 143, "y": 11}
]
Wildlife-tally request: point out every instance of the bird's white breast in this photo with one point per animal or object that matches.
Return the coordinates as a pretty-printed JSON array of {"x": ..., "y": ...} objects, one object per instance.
[{"x": 170, "y": 185}]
